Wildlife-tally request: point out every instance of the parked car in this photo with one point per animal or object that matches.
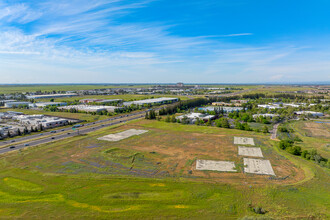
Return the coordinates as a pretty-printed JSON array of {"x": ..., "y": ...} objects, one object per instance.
[
  {"x": 26, "y": 144},
  {"x": 11, "y": 147}
]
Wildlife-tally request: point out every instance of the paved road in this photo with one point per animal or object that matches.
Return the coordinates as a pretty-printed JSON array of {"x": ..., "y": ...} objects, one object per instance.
[
  {"x": 274, "y": 131},
  {"x": 89, "y": 127}
]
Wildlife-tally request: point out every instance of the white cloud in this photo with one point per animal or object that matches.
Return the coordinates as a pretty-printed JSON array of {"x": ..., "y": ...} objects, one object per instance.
[
  {"x": 81, "y": 41},
  {"x": 236, "y": 35}
]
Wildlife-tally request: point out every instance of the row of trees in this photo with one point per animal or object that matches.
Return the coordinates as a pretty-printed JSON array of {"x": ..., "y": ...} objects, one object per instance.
[
  {"x": 151, "y": 115},
  {"x": 288, "y": 145},
  {"x": 185, "y": 105}
]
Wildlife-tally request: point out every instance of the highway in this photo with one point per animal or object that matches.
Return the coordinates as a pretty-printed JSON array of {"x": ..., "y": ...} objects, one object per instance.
[{"x": 34, "y": 140}]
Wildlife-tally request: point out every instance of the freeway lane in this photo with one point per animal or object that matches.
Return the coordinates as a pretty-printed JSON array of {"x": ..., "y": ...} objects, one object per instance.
[{"x": 66, "y": 134}]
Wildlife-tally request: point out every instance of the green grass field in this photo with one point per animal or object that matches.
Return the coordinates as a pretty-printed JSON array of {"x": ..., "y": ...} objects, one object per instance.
[{"x": 83, "y": 178}]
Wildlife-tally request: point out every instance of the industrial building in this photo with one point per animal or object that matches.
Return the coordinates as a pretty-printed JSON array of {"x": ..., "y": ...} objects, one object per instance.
[
  {"x": 44, "y": 104},
  {"x": 16, "y": 104},
  {"x": 37, "y": 120},
  {"x": 314, "y": 114},
  {"x": 91, "y": 108},
  {"x": 100, "y": 101},
  {"x": 162, "y": 100},
  {"x": 49, "y": 96}
]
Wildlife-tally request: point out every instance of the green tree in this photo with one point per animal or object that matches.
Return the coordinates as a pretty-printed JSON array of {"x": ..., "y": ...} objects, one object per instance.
[{"x": 265, "y": 129}]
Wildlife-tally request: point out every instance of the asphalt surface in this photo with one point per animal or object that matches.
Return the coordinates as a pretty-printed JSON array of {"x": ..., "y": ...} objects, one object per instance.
[
  {"x": 274, "y": 132},
  {"x": 66, "y": 132}
]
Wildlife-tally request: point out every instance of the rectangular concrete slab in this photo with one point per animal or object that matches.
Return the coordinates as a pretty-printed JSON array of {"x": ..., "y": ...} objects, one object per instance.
[
  {"x": 243, "y": 141},
  {"x": 224, "y": 166},
  {"x": 258, "y": 166},
  {"x": 122, "y": 135},
  {"x": 250, "y": 151}
]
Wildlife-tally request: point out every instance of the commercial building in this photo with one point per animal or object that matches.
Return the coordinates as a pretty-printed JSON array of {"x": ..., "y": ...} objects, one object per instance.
[
  {"x": 162, "y": 100},
  {"x": 49, "y": 96}
]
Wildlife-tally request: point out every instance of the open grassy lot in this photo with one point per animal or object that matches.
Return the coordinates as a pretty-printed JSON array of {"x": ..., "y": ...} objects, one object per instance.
[
  {"x": 314, "y": 135},
  {"x": 146, "y": 177}
]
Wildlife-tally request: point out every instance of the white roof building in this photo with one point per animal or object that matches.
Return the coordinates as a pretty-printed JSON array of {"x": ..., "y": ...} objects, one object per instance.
[
  {"x": 44, "y": 104},
  {"x": 50, "y": 96},
  {"x": 45, "y": 121},
  {"x": 91, "y": 108},
  {"x": 314, "y": 114},
  {"x": 271, "y": 106},
  {"x": 151, "y": 101},
  {"x": 265, "y": 115},
  {"x": 12, "y": 104}
]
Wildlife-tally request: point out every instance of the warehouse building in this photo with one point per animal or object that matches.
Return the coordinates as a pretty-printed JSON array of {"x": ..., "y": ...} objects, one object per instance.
[
  {"x": 162, "y": 100},
  {"x": 37, "y": 120},
  {"x": 91, "y": 108},
  {"x": 44, "y": 104},
  {"x": 100, "y": 101},
  {"x": 314, "y": 114},
  {"x": 49, "y": 96},
  {"x": 16, "y": 104}
]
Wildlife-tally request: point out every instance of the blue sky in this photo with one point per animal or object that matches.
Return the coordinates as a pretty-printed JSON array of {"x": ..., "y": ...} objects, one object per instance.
[{"x": 154, "y": 41}]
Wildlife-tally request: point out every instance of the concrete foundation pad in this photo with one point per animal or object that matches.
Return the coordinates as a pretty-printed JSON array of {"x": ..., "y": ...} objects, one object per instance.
[
  {"x": 243, "y": 141},
  {"x": 224, "y": 166},
  {"x": 250, "y": 151},
  {"x": 122, "y": 135},
  {"x": 258, "y": 166}
]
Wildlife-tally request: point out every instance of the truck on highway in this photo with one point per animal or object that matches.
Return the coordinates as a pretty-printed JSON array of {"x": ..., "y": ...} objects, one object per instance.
[{"x": 77, "y": 126}]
